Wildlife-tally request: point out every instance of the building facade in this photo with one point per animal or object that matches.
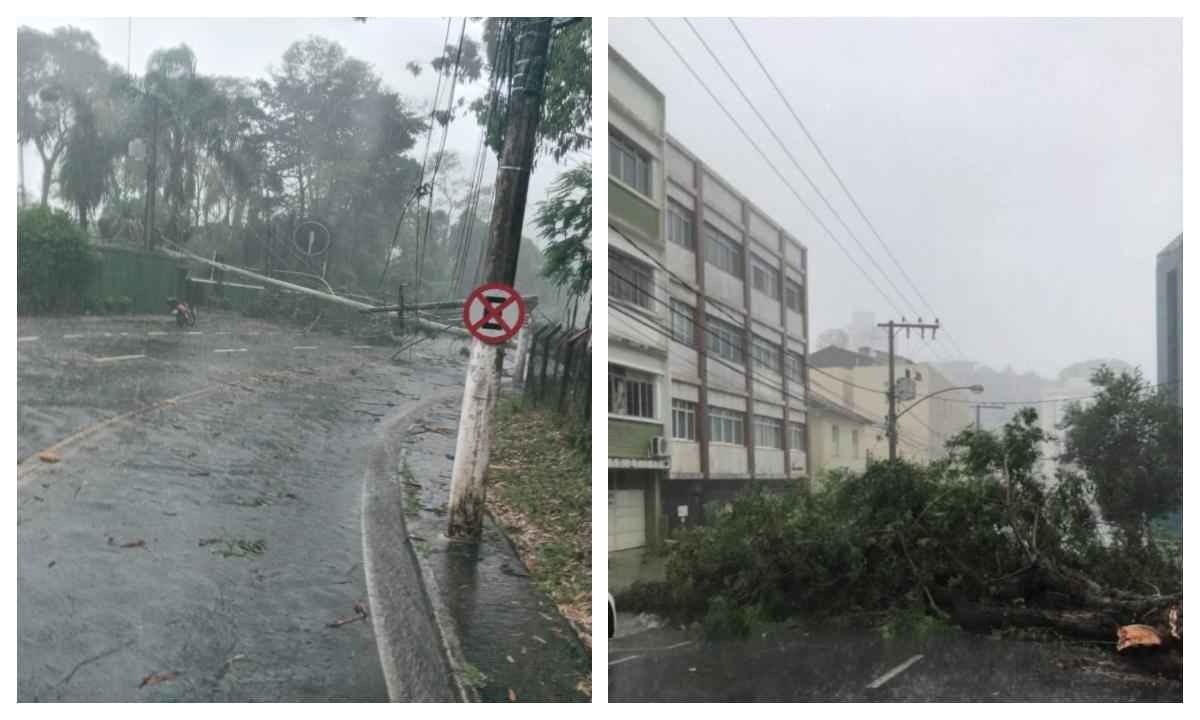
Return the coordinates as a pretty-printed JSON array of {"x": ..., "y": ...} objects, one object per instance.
[
  {"x": 708, "y": 327},
  {"x": 858, "y": 380},
  {"x": 842, "y": 438},
  {"x": 1168, "y": 274}
]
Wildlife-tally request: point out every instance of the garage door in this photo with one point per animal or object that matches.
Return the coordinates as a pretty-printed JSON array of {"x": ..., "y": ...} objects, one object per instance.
[{"x": 626, "y": 519}]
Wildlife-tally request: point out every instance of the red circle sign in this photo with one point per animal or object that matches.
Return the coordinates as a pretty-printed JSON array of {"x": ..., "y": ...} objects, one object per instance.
[{"x": 494, "y": 313}]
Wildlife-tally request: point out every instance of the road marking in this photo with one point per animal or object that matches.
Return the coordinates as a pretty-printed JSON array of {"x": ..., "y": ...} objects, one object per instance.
[
  {"x": 352, "y": 347},
  {"x": 194, "y": 332},
  {"x": 879, "y": 681},
  {"x": 230, "y": 350},
  {"x": 124, "y": 334},
  {"x": 118, "y": 357},
  {"x": 656, "y": 649},
  {"x": 223, "y": 332},
  {"x": 305, "y": 347},
  {"x": 27, "y": 467},
  {"x": 251, "y": 332},
  {"x": 73, "y": 336},
  {"x": 624, "y": 659},
  {"x": 29, "y": 338},
  {"x": 156, "y": 332}
]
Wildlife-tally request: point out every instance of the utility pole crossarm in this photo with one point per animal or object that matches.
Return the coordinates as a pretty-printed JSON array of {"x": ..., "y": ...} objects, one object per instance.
[{"x": 908, "y": 327}]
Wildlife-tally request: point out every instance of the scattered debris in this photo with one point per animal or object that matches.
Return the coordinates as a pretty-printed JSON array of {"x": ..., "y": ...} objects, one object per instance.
[
  {"x": 360, "y": 613},
  {"x": 199, "y": 473},
  {"x": 49, "y": 457},
  {"x": 512, "y": 695},
  {"x": 509, "y": 658},
  {"x": 52, "y": 563},
  {"x": 209, "y": 541},
  {"x": 242, "y": 548},
  {"x": 158, "y": 677},
  {"x": 134, "y": 544}
]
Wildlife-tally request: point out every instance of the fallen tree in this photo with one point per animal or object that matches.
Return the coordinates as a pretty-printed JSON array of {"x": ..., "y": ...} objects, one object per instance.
[{"x": 977, "y": 540}]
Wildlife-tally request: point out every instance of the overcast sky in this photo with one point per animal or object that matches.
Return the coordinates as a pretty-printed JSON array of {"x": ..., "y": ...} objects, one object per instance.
[
  {"x": 246, "y": 47},
  {"x": 1024, "y": 172}
]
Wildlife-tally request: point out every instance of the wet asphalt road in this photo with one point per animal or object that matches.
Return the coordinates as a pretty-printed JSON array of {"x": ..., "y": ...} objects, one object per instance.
[
  {"x": 798, "y": 664},
  {"x": 240, "y": 502}
]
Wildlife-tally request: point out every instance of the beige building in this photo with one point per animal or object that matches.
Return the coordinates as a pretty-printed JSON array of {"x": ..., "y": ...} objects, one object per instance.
[
  {"x": 841, "y": 438},
  {"x": 858, "y": 381},
  {"x": 708, "y": 329}
]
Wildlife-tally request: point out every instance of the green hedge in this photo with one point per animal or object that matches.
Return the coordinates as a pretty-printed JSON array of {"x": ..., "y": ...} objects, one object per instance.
[{"x": 55, "y": 264}]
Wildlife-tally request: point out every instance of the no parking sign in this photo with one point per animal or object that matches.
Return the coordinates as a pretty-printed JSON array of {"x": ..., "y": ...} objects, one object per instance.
[{"x": 494, "y": 313}]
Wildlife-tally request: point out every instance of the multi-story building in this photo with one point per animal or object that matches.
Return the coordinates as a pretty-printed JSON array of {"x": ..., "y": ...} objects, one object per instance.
[
  {"x": 1168, "y": 273},
  {"x": 708, "y": 329},
  {"x": 858, "y": 381}
]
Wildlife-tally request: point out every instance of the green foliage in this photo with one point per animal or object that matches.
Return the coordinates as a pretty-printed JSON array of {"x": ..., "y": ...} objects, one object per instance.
[
  {"x": 564, "y": 221},
  {"x": 894, "y": 536},
  {"x": 55, "y": 264},
  {"x": 1129, "y": 442}
]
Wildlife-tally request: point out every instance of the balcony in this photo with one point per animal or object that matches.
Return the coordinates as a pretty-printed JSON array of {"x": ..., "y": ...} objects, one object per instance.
[{"x": 633, "y": 211}]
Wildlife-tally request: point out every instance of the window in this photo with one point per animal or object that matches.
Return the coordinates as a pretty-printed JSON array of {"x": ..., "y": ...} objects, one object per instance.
[
  {"x": 854, "y": 444},
  {"x": 630, "y": 280},
  {"x": 683, "y": 323},
  {"x": 628, "y": 163},
  {"x": 726, "y": 426},
  {"x": 837, "y": 449},
  {"x": 768, "y": 432},
  {"x": 679, "y": 226},
  {"x": 796, "y": 367},
  {"x": 723, "y": 252},
  {"x": 794, "y": 296},
  {"x": 683, "y": 420},
  {"x": 765, "y": 277},
  {"x": 725, "y": 340},
  {"x": 799, "y": 436},
  {"x": 767, "y": 355},
  {"x": 630, "y": 392}
]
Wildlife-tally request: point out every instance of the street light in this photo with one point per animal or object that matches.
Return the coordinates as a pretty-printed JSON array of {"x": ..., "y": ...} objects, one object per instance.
[
  {"x": 977, "y": 389},
  {"x": 895, "y": 418}
]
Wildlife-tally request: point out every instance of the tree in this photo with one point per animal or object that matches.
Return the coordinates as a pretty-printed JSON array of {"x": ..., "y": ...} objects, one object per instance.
[
  {"x": 1129, "y": 442},
  {"x": 564, "y": 221},
  {"x": 57, "y": 74}
]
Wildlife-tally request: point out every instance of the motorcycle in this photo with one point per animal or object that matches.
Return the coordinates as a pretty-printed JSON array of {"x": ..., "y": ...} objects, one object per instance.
[{"x": 185, "y": 316}]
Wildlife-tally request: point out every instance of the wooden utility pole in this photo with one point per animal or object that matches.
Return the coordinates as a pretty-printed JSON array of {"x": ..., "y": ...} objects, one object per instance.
[
  {"x": 892, "y": 326},
  {"x": 475, "y": 429}
]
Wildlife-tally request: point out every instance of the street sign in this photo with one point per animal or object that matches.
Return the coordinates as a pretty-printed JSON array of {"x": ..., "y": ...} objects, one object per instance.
[
  {"x": 311, "y": 238},
  {"x": 494, "y": 313}
]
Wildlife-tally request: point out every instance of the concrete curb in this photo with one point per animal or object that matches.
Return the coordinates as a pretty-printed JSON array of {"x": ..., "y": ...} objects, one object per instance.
[{"x": 418, "y": 644}]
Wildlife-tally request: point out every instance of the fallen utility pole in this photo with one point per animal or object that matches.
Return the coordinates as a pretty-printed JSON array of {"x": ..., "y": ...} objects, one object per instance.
[
  {"x": 181, "y": 253},
  {"x": 476, "y": 430},
  {"x": 892, "y": 326}
]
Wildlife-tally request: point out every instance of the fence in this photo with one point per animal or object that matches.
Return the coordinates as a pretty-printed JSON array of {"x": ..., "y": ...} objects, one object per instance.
[
  {"x": 558, "y": 372},
  {"x": 138, "y": 281}
]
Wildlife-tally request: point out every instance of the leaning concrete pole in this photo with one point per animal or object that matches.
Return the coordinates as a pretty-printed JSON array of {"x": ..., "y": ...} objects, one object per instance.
[{"x": 473, "y": 450}]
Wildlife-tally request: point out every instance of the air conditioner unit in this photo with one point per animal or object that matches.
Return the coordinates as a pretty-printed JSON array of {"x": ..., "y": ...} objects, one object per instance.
[{"x": 659, "y": 447}]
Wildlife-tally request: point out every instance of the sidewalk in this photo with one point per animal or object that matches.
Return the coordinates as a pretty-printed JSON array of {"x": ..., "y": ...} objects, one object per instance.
[{"x": 501, "y": 639}]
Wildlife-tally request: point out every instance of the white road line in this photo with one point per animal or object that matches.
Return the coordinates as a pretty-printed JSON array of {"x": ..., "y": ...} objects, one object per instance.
[
  {"x": 230, "y": 350},
  {"x": 305, "y": 347},
  {"x": 29, "y": 338},
  {"x": 879, "y": 681},
  {"x": 73, "y": 336},
  {"x": 107, "y": 334},
  {"x": 656, "y": 649},
  {"x": 118, "y": 357},
  {"x": 624, "y": 659},
  {"x": 124, "y": 334},
  {"x": 156, "y": 333},
  {"x": 361, "y": 347},
  {"x": 251, "y": 332},
  {"x": 223, "y": 332},
  {"x": 194, "y": 332}
]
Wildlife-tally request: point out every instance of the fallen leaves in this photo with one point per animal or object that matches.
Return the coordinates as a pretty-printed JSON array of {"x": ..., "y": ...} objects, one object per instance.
[
  {"x": 158, "y": 677},
  {"x": 49, "y": 457}
]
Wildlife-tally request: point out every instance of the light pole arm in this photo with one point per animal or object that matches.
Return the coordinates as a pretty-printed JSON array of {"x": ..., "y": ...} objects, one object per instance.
[{"x": 973, "y": 388}]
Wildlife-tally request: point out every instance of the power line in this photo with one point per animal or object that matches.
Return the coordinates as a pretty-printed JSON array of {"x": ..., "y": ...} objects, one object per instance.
[
  {"x": 838, "y": 178},
  {"x": 773, "y": 167}
]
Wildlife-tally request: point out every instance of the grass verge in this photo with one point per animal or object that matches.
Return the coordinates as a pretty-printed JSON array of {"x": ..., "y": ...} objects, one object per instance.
[{"x": 541, "y": 493}]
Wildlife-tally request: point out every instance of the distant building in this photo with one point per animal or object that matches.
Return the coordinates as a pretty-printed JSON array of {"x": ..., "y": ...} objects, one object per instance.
[
  {"x": 842, "y": 438},
  {"x": 857, "y": 380},
  {"x": 1168, "y": 274}
]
